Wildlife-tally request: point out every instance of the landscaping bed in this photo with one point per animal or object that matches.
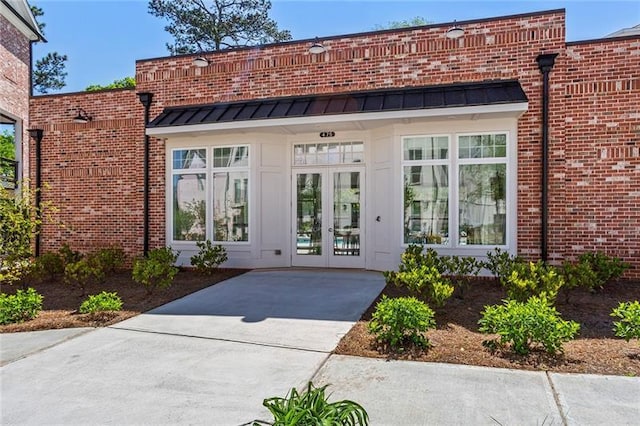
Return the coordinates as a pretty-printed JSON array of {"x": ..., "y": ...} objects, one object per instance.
[
  {"x": 457, "y": 340},
  {"x": 61, "y": 301}
]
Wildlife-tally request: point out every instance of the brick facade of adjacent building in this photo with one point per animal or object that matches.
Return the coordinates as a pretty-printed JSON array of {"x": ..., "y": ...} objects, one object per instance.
[{"x": 94, "y": 170}]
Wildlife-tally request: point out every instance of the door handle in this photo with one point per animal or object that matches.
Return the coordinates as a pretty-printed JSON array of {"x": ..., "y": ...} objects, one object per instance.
[{"x": 330, "y": 229}]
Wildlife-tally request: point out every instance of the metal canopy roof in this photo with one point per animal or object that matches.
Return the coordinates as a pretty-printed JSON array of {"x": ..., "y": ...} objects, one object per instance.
[{"x": 410, "y": 98}]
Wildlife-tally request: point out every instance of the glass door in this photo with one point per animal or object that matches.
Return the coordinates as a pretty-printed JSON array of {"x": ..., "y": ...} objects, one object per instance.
[{"x": 328, "y": 215}]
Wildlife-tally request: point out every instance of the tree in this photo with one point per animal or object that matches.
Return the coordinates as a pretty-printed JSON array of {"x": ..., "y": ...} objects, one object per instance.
[
  {"x": 414, "y": 22},
  {"x": 198, "y": 25},
  {"x": 123, "y": 83},
  {"x": 49, "y": 71},
  {"x": 7, "y": 147}
]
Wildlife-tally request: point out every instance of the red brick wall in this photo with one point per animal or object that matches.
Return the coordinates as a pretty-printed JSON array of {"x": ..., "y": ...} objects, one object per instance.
[
  {"x": 92, "y": 173},
  {"x": 14, "y": 73}
]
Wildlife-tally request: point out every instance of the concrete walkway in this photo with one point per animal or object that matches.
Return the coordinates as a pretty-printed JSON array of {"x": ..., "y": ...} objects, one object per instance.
[{"x": 213, "y": 356}]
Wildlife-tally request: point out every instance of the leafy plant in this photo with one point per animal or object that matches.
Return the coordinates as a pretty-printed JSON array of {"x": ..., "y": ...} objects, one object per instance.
[
  {"x": 523, "y": 324},
  {"x": 209, "y": 257},
  {"x": 83, "y": 272},
  {"x": 421, "y": 273},
  {"x": 22, "y": 306},
  {"x": 110, "y": 259},
  {"x": 629, "y": 325},
  {"x": 46, "y": 267},
  {"x": 461, "y": 269},
  {"x": 101, "y": 302},
  {"x": 156, "y": 270},
  {"x": 400, "y": 320},
  {"x": 501, "y": 263},
  {"x": 69, "y": 255},
  {"x": 606, "y": 268},
  {"x": 312, "y": 407},
  {"x": 533, "y": 279}
]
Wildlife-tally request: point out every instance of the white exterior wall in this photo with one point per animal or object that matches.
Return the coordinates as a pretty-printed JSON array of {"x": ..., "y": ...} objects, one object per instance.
[{"x": 271, "y": 219}]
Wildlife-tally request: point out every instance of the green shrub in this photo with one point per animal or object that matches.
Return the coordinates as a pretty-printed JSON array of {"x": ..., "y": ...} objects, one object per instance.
[
  {"x": 22, "y": 306},
  {"x": 461, "y": 269},
  {"x": 421, "y": 273},
  {"x": 83, "y": 272},
  {"x": 521, "y": 325},
  {"x": 101, "y": 302},
  {"x": 46, "y": 267},
  {"x": 398, "y": 321},
  {"x": 156, "y": 270},
  {"x": 312, "y": 407},
  {"x": 629, "y": 325},
  {"x": 533, "y": 279},
  {"x": 606, "y": 268},
  {"x": 501, "y": 263},
  {"x": 109, "y": 259},
  {"x": 209, "y": 257},
  {"x": 69, "y": 255}
]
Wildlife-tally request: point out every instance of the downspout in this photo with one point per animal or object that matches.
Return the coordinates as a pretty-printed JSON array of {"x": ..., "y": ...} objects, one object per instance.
[
  {"x": 37, "y": 135},
  {"x": 545, "y": 63},
  {"x": 145, "y": 99}
]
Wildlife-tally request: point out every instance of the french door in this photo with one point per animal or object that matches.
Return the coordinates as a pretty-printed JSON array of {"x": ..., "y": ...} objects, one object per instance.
[{"x": 328, "y": 215}]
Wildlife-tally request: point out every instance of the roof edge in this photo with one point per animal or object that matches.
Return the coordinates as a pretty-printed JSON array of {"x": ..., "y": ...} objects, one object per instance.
[
  {"x": 35, "y": 30},
  {"x": 603, "y": 40}
]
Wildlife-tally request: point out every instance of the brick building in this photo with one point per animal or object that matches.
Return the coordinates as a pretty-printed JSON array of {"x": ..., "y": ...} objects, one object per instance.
[
  {"x": 18, "y": 30},
  {"x": 503, "y": 135}
]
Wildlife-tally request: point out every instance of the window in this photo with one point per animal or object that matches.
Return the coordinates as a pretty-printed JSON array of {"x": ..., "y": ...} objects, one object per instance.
[
  {"x": 471, "y": 182},
  {"x": 231, "y": 193},
  {"x": 189, "y": 186},
  {"x": 328, "y": 153}
]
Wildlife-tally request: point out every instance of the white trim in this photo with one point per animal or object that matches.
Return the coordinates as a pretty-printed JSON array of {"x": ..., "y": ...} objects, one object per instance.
[
  {"x": 17, "y": 22},
  {"x": 520, "y": 108}
]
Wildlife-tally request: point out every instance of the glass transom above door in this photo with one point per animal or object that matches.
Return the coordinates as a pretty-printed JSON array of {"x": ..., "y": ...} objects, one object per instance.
[{"x": 328, "y": 153}]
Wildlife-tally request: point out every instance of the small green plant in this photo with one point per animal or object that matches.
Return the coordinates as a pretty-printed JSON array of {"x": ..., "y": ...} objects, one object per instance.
[
  {"x": 461, "y": 270},
  {"x": 101, "y": 302},
  {"x": 156, "y": 270},
  {"x": 83, "y": 272},
  {"x": 533, "y": 279},
  {"x": 110, "y": 259},
  {"x": 421, "y": 273},
  {"x": 22, "y": 306},
  {"x": 68, "y": 255},
  {"x": 400, "y": 320},
  {"x": 501, "y": 263},
  {"x": 629, "y": 325},
  {"x": 312, "y": 407},
  {"x": 46, "y": 267},
  {"x": 523, "y": 324},
  {"x": 209, "y": 257},
  {"x": 606, "y": 268}
]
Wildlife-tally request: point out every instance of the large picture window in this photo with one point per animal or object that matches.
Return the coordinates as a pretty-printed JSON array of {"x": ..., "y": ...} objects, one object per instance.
[
  {"x": 189, "y": 186},
  {"x": 231, "y": 193},
  {"x": 472, "y": 183}
]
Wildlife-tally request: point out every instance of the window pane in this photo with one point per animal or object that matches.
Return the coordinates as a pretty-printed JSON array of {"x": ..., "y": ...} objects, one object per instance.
[
  {"x": 426, "y": 148},
  {"x": 309, "y": 214},
  {"x": 426, "y": 204},
  {"x": 189, "y": 159},
  {"x": 189, "y": 194},
  {"x": 236, "y": 156},
  {"x": 482, "y": 204},
  {"x": 482, "y": 146},
  {"x": 231, "y": 206}
]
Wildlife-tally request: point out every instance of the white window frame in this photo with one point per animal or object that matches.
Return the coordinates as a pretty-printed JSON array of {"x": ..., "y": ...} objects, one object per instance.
[{"x": 454, "y": 163}]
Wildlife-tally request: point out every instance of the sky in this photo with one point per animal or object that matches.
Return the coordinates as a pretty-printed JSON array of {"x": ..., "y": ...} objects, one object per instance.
[{"x": 103, "y": 39}]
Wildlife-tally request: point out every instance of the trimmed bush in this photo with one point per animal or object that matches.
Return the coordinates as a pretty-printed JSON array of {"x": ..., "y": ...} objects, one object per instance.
[
  {"x": 312, "y": 407},
  {"x": 101, "y": 302},
  {"x": 461, "y": 269},
  {"x": 606, "y": 268},
  {"x": 156, "y": 270},
  {"x": 19, "y": 307},
  {"x": 109, "y": 259},
  {"x": 69, "y": 255},
  {"x": 533, "y": 279},
  {"x": 629, "y": 325},
  {"x": 83, "y": 272},
  {"x": 400, "y": 320},
  {"x": 501, "y": 263},
  {"x": 523, "y": 324},
  {"x": 209, "y": 257},
  {"x": 46, "y": 267}
]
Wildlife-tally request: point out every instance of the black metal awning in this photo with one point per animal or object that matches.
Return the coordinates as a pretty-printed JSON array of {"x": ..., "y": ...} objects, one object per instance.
[{"x": 388, "y": 100}]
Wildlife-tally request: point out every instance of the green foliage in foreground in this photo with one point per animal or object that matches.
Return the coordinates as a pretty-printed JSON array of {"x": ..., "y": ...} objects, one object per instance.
[
  {"x": 101, "y": 302},
  {"x": 400, "y": 320},
  {"x": 19, "y": 307},
  {"x": 209, "y": 257},
  {"x": 156, "y": 270},
  {"x": 312, "y": 407},
  {"x": 533, "y": 279},
  {"x": 629, "y": 325},
  {"x": 523, "y": 324}
]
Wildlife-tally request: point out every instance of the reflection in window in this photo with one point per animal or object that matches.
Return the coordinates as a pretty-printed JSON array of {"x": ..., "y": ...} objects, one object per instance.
[
  {"x": 309, "y": 214},
  {"x": 189, "y": 206},
  {"x": 231, "y": 206},
  {"x": 426, "y": 204},
  {"x": 482, "y": 203},
  {"x": 328, "y": 153},
  {"x": 189, "y": 159},
  {"x": 233, "y": 156}
]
